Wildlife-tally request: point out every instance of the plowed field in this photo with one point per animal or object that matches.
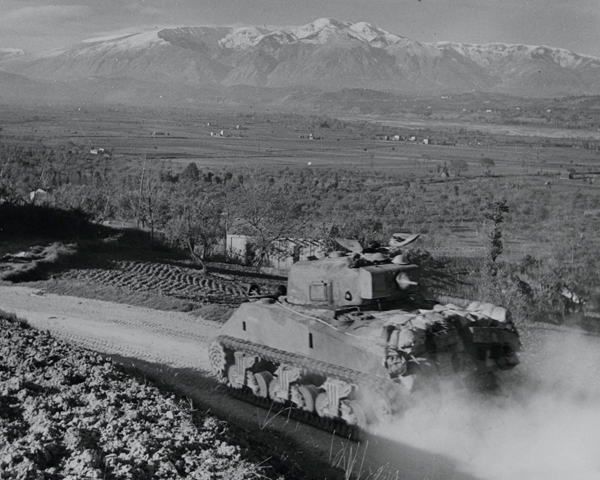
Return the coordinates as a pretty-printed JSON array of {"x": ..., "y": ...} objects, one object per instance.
[{"x": 167, "y": 279}]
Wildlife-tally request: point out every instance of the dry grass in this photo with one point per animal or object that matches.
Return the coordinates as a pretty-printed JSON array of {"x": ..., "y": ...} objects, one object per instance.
[
  {"x": 12, "y": 318},
  {"x": 32, "y": 263},
  {"x": 109, "y": 293}
]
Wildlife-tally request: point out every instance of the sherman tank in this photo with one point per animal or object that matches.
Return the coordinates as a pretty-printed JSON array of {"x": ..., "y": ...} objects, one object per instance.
[{"x": 353, "y": 341}]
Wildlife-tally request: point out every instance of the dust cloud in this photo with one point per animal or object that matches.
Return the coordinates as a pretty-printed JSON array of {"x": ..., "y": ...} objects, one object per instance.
[{"x": 545, "y": 423}]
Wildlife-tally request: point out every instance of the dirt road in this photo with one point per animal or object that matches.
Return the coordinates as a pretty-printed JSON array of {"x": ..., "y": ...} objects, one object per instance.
[
  {"x": 173, "y": 339},
  {"x": 171, "y": 348}
]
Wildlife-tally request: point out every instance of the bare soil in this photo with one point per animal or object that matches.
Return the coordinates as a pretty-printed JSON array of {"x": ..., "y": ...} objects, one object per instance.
[
  {"x": 163, "y": 280},
  {"x": 167, "y": 279},
  {"x": 66, "y": 412},
  {"x": 170, "y": 348}
]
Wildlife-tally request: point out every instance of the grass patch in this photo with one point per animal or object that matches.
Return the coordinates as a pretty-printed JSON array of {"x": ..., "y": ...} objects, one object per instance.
[
  {"x": 110, "y": 293},
  {"x": 13, "y": 318},
  {"x": 35, "y": 263},
  {"x": 215, "y": 313}
]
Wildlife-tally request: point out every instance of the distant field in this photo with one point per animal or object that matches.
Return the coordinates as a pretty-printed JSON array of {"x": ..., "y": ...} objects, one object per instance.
[
  {"x": 524, "y": 157},
  {"x": 184, "y": 136},
  {"x": 511, "y": 130}
]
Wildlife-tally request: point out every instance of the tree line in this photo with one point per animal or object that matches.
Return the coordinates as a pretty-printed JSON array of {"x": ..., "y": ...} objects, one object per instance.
[{"x": 193, "y": 208}]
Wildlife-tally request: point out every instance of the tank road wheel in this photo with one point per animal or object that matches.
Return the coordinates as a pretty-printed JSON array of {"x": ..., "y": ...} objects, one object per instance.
[
  {"x": 274, "y": 390},
  {"x": 322, "y": 405},
  {"x": 232, "y": 378},
  {"x": 263, "y": 380},
  {"x": 306, "y": 398},
  {"x": 353, "y": 414},
  {"x": 218, "y": 361}
]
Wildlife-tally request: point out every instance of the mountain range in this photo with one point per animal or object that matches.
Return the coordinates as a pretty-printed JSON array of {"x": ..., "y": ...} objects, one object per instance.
[{"x": 327, "y": 55}]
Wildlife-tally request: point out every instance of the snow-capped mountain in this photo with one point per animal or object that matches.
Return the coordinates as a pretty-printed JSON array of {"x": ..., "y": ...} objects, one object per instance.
[
  {"x": 319, "y": 32},
  {"x": 327, "y": 54},
  {"x": 502, "y": 51}
]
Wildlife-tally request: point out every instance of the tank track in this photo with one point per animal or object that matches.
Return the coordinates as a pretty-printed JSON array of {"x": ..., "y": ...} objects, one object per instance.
[{"x": 384, "y": 388}]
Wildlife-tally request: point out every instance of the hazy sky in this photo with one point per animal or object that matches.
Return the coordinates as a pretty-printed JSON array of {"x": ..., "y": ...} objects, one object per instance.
[{"x": 37, "y": 25}]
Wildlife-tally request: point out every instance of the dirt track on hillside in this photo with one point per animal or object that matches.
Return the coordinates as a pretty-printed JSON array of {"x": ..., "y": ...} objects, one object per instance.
[
  {"x": 171, "y": 347},
  {"x": 173, "y": 339}
]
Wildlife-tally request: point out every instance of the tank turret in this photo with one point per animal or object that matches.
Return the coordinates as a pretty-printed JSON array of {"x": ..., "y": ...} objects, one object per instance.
[
  {"x": 340, "y": 281},
  {"x": 354, "y": 341}
]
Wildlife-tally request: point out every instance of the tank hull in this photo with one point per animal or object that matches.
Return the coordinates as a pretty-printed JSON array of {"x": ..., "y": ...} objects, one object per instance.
[
  {"x": 357, "y": 369},
  {"x": 304, "y": 334}
]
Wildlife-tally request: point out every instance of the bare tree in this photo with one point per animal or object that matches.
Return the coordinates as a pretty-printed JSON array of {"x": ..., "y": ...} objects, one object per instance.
[
  {"x": 487, "y": 164},
  {"x": 459, "y": 166},
  {"x": 195, "y": 223},
  {"x": 268, "y": 215}
]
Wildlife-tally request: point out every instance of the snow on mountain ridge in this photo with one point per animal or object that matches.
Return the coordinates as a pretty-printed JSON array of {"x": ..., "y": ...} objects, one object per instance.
[
  {"x": 7, "y": 53},
  {"x": 325, "y": 53},
  {"x": 323, "y": 30},
  {"x": 374, "y": 35},
  {"x": 481, "y": 53},
  {"x": 126, "y": 42},
  {"x": 11, "y": 51},
  {"x": 318, "y": 32},
  {"x": 243, "y": 37},
  {"x": 321, "y": 26}
]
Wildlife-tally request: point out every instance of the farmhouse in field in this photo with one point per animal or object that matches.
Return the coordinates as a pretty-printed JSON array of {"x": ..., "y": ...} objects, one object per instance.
[
  {"x": 567, "y": 174},
  {"x": 310, "y": 136},
  {"x": 39, "y": 196}
]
